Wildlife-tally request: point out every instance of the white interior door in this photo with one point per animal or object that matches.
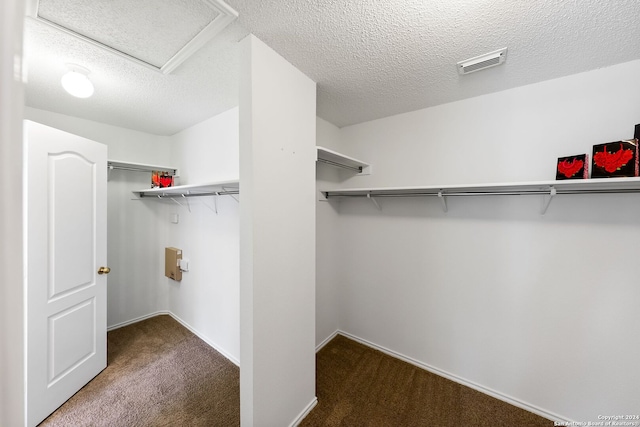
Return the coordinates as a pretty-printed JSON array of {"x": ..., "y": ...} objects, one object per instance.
[{"x": 66, "y": 327}]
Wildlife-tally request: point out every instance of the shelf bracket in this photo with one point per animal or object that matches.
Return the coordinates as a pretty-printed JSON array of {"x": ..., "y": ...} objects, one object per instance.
[
  {"x": 109, "y": 169},
  {"x": 443, "y": 200},
  {"x": 230, "y": 195},
  {"x": 375, "y": 203},
  {"x": 546, "y": 201},
  {"x": 173, "y": 200},
  {"x": 215, "y": 202},
  {"x": 187, "y": 200}
]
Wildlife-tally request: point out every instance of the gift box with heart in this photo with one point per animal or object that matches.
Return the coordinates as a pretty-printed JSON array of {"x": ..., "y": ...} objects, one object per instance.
[
  {"x": 573, "y": 167},
  {"x": 615, "y": 159}
]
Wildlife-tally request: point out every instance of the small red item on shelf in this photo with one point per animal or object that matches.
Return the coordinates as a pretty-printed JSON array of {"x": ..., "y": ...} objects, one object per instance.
[{"x": 573, "y": 167}]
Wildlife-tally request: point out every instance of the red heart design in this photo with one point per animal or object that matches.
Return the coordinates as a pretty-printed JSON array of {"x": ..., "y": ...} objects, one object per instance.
[
  {"x": 611, "y": 162},
  {"x": 570, "y": 167}
]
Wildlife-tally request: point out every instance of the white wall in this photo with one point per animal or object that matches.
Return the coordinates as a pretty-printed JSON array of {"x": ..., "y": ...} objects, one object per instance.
[
  {"x": 208, "y": 151},
  {"x": 136, "y": 229},
  {"x": 514, "y": 135},
  {"x": 137, "y": 233},
  {"x": 11, "y": 256},
  {"x": 538, "y": 309},
  {"x": 207, "y": 298},
  {"x": 124, "y": 144},
  {"x": 277, "y": 238}
]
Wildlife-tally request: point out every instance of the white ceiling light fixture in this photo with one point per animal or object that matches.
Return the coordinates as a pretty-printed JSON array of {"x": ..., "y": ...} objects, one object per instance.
[
  {"x": 482, "y": 62},
  {"x": 76, "y": 81}
]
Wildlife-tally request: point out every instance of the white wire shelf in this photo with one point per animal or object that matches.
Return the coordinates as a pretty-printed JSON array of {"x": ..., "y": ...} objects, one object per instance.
[
  {"x": 139, "y": 167},
  {"x": 543, "y": 188},
  {"x": 220, "y": 188},
  {"x": 334, "y": 158}
]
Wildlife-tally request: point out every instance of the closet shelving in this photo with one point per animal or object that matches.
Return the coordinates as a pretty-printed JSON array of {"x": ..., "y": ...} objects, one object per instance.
[
  {"x": 220, "y": 188},
  {"x": 138, "y": 167},
  {"x": 334, "y": 158},
  {"x": 184, "y": 192},
  {"x": 546, "y": 189}
]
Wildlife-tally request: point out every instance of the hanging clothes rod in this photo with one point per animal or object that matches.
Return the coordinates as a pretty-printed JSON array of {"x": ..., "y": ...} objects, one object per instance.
[
  {"x": 544, "y": 192},
  {"x": 340, "y": 165},
  {"x": 210, "y": 193},
  {"x": 548, "y": 190}
]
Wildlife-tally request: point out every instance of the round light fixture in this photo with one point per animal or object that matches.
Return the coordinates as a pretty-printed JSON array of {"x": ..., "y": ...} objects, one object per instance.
[{"x": 76, "y": 82}]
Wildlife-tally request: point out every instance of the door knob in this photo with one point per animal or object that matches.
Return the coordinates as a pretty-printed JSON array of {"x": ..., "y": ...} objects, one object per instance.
[{"x": 104, "y": 270}]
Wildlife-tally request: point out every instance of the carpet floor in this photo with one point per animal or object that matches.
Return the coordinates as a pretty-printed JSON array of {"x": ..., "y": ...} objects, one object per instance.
[
  {"x": 160, "y": 374},
  {"x": 360, "y": 386}
]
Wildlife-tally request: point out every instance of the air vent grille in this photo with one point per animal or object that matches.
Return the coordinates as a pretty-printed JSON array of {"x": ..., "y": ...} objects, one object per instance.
[{"x": 482, "y": 62}]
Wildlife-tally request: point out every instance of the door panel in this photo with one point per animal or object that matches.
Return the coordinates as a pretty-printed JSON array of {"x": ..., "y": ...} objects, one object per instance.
[
  {"x": 65, "y": 246},
  {"x": 71, "y": 338},
  {"x": 71, "y": 215}
]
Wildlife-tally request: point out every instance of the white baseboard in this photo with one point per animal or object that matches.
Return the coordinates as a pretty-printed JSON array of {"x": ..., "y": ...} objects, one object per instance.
[
  {"x": 136, "y": 320},
  {"x": 183, "y": 323},
  {"x": 500, "y": 396},
  {"x": 326, "y": 341},
  {"x": 205, "y": 339},
  {"x": 304, "y": 412}
]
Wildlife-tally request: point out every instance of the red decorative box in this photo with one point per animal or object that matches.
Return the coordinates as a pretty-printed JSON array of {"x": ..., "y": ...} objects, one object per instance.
[
  {"x": 615, "y": 159},
  {"x": 161, "y": 179},
  {"x": 573, "y": 167}
]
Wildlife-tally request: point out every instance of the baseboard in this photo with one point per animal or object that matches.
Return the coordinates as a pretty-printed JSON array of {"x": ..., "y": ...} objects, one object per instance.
[
  {"x": 136, "y": 320},
  {"x": 326, "y": 340},
  {"x": 183, "y": 323},
  {"x": 500, "y": 396},
  {"x": 304, "y": 412},
  {"x": 205, "y": 339}
]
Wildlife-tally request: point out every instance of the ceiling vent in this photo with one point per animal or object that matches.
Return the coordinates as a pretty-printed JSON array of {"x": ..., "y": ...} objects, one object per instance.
[{"x": 482, "y": 62}]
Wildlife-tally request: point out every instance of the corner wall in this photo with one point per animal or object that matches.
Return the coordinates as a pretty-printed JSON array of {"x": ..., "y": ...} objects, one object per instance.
[
  {"x": 208, "y": 297},
  {"x": 538, "y": 310},
  {"x": 277, "y": 238}
]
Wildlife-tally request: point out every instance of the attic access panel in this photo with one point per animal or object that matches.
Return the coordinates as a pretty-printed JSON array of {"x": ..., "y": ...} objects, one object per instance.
[{"x": 160, "y": 34}]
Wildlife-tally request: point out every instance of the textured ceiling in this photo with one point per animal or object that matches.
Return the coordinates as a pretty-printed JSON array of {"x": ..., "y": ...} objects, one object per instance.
[
  {"x": 128, "y": 94},
  {"x": 371, "y": 59},
  {"x": 145, "y": 29}
]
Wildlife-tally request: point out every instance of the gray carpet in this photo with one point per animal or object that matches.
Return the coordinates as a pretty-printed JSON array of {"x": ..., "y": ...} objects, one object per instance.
[
  {"x": 158, "y": 374},
  {"x": 360, "y": 386}
]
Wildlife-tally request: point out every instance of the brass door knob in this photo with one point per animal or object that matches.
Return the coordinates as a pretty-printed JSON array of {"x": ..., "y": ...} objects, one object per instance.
[{"x": 104, "y": 270}]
